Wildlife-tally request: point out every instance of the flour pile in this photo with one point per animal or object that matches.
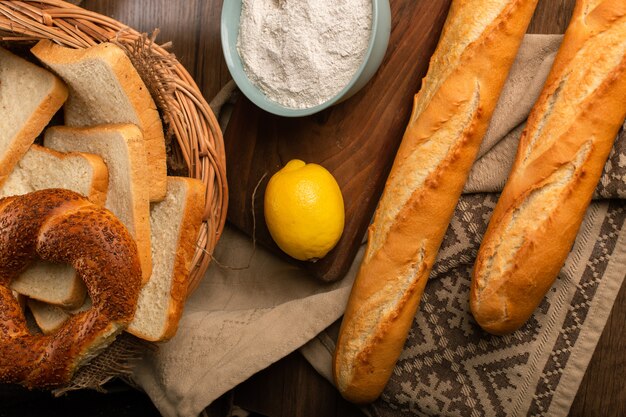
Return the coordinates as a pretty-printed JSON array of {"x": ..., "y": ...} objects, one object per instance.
[{"x": 301, "y": 53}]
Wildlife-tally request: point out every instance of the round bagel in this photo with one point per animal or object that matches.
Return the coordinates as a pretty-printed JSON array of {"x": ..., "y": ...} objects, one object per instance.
[{"x": 62, "y": 226}]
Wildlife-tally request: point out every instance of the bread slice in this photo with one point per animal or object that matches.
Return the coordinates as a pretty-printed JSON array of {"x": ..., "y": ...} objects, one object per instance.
[
  {"x": 175, "y": 225},
  {"x": 56, "y": 284},
  {"x": 122, "y": 149},
  {"x": 50, "y": 318},
  {"x": 29, "y": 97},
  {"x": 105, "y": 88},
  {"x": 43, "y": 168}
]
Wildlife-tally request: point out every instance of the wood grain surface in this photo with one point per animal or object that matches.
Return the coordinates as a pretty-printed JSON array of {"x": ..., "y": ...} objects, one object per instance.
[
  {"x": 356, "y": 140},
  {"x": 291, "y": 387}
]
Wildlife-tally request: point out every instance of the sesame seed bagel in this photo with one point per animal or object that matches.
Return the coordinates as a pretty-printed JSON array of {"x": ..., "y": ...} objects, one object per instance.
[{"x": 62, "y": 226}]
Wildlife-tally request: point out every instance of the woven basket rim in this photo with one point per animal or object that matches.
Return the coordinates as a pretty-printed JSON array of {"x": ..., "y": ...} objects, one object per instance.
[{"x": 184, "y": 109}]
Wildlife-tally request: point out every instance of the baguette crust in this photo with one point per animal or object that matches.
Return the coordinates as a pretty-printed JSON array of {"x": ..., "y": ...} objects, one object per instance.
[
  {"x": 450, "y": 117},
  {"x": 83, "y": 108},
  {"x": 559, "y": 162}
]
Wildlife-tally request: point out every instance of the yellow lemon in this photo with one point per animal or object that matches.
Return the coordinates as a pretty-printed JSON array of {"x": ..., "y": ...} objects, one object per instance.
[{"x": 304, "y": 210}]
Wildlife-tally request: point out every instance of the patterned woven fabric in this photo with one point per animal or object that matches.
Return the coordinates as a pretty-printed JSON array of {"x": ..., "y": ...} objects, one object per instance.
[{"x": 451, "y": 367}]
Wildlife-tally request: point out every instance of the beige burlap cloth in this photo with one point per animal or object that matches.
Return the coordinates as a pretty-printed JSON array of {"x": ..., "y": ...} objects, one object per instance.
[{"x": 241, "y": 321}]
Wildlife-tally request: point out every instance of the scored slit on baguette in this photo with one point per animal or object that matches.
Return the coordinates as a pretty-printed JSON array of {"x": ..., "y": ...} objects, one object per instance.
[
  {"x": 29, "y": 97},
  {"x": 559, "y": 161},
  {"x": 41, "y": 168},
  {"x": 105, "y": 88},
  {"x": 450, "y": 117},
  {"x": 121, "y": 147}
]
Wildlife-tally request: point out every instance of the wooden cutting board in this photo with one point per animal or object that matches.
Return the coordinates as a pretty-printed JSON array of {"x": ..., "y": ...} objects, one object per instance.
[{"x": 355, "y": 140}]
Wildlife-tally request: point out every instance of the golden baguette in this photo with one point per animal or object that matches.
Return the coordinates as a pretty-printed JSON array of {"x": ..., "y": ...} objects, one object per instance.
[
  {"x": 559, "y": 161},
  {"x": 450, "y": 116}
]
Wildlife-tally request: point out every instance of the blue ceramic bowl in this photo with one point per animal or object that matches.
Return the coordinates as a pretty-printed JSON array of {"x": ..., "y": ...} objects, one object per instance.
[{"x": 381, "y": 28}]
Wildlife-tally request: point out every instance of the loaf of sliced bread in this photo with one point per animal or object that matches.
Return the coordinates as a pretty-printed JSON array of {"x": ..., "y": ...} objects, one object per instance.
[
  {"x": 43, "y": 168},
  {"x": 29, "y": 97},
  {"x": 105, "y": 88},
  {"x": 175, "y": 226},
  {"x": 122, "y": 149}
]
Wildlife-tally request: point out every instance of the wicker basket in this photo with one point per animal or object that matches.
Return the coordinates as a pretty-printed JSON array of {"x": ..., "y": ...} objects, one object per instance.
[{"x": 184, "y": 110}]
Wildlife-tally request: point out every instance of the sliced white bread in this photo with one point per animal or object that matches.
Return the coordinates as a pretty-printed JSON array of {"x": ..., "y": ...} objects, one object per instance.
[
  {"x": 43, "y": 168},
  {"x": 56, "y": 284},
  {"x": 49, "y": 318},
  {"x": 122, "y": 149},
  {"x": 29, "y": 97},
  {"x": 175, "y": 226},
  {"x": 105, "y": 88}
]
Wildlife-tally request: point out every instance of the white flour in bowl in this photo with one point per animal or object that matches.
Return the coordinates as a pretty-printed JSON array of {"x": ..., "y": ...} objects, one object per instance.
[{"x": 301, "y": 53}]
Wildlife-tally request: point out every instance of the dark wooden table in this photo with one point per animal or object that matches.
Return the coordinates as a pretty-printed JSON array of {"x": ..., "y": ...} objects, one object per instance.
[{"x": 291, "y": 387}]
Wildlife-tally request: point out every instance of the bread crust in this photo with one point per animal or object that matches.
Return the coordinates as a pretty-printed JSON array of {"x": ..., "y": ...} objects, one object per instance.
[
  {"x": 62, "y": 226},
  {"x": 138, "y": 175},
  {"x": 37, "y": 121},
  {"x": 49, "y": 318},
  {"x": 100, "y": 180},
  {"x": 559, "y": 162},
  {"x": 188, "y": 237},
  {"x": 191, "y": 220},
  {"x": 450, "y": 117},
  {"x": 55, "y": 56},
  {"x": 100, "y": 184}
]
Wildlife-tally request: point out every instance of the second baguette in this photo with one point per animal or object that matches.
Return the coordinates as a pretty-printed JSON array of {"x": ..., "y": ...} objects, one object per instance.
[
  {"x": 560, "y": 158},
  {"x": 450, "y": 117}
]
